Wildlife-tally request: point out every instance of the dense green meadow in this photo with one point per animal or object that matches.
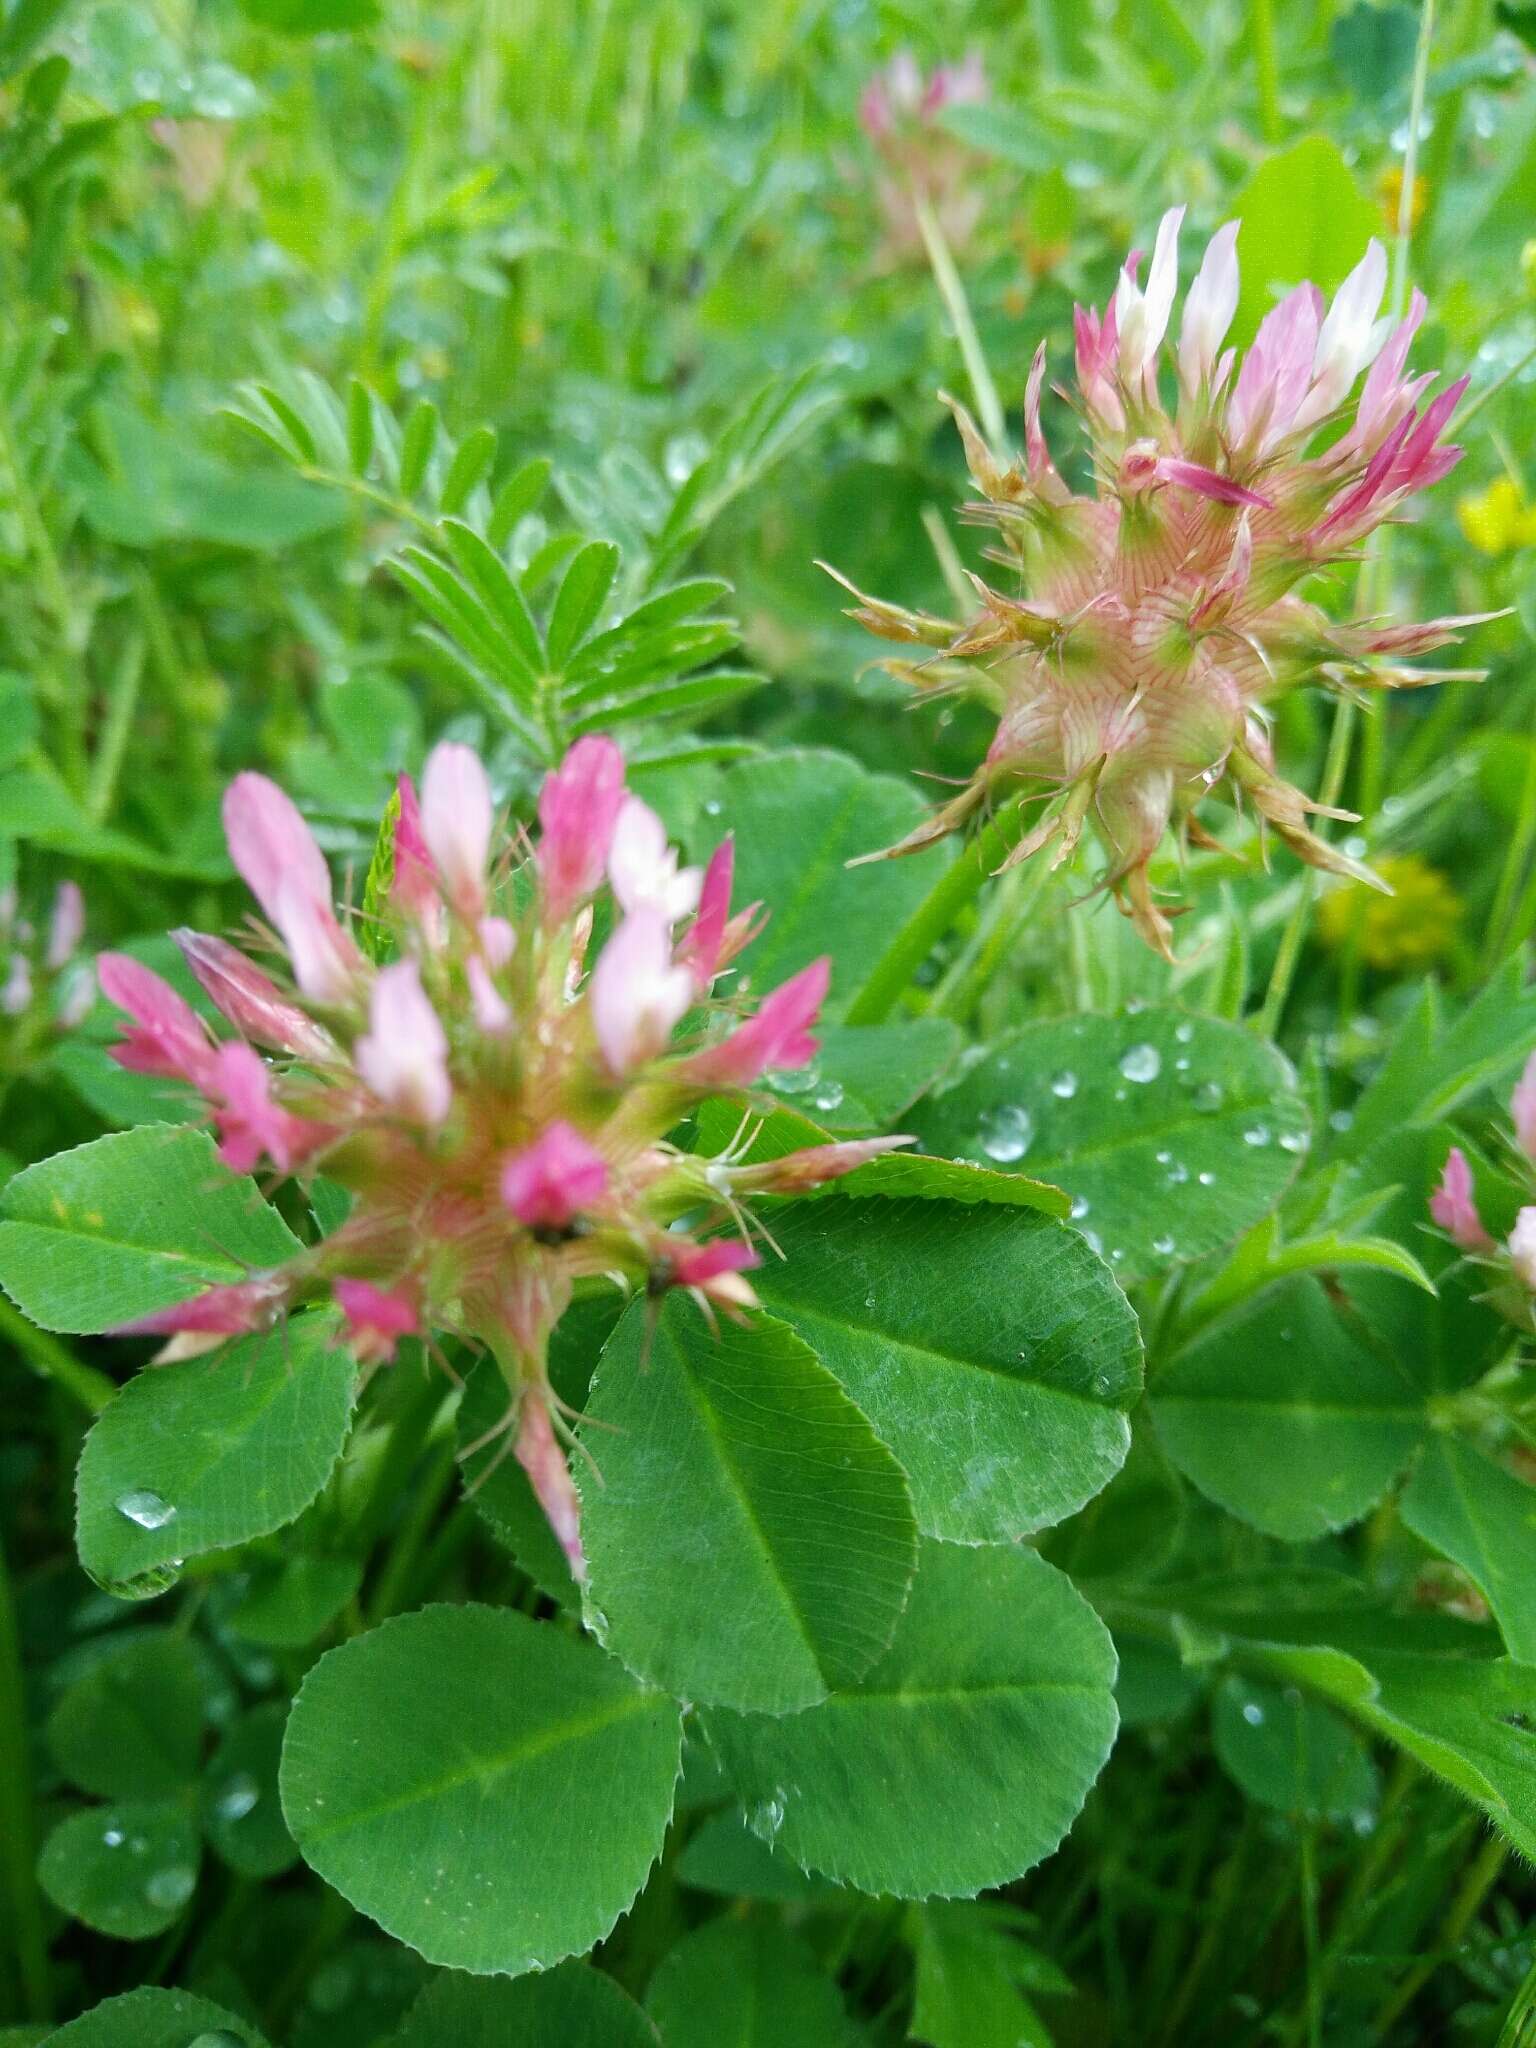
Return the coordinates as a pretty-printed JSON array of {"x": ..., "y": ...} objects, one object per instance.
[{"x": 503, "y": 1539}]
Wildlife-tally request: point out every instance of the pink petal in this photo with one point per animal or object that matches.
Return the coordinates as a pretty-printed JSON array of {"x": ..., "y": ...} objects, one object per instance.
[
  {"x": 637, "y": 994},
  {"x": 251, "y": 1002},
  {"x": 457, "y": 817},
  {"x": 1454, "y": 1207},
  {"x": 578, "y": 809},
  {"x": 169, "y": 1039},
  {"x": 541, "y": 1457},
  {"x": 377, "y": 1318},
  {"x": 777, "y": 1036},
  {"x": 403, "y": 1057}
]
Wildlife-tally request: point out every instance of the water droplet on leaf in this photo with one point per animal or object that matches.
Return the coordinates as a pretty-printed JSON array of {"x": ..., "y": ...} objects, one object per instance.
[
  {"x": 172, "y": 1887},
  {"x": 147, "y": 1509},
  {"x": 237, "y": 1797},
  {"x": 1064, "y": 1085},
  {"x": 1209, "y": 1097},
  {"x": 1006, "y": 1132},
  {"x": 1141, "y": 1062}
]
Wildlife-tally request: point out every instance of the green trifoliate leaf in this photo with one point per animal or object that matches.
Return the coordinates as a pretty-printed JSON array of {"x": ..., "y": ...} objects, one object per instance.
[
  {"x": 1290, "y": 1752},
  {"x": 211, "y": 1451},
  {"x": 242, "y": 1816},
  {"x": 751, "y": 1539},
  {"x": 988, "y": 1346},
  {"x": 152, "y": 2018},
  {"x": 1283, "y": 1414},
  {"x": 127, "y": 1869},
  {"x": 749, "y": 1982},
  {"x": 485, "y": 1788},
  {"x": 572, "y": 2007},
  {"x": 133, "y": 1725},
  {"x": 962, "y": 1757},
  {"x": 798, "y": 818},
  {"x": 128, "y": 1224},
  {"x": 1172, "y": 1134},
  {"x": 1481, "y": 1516}
]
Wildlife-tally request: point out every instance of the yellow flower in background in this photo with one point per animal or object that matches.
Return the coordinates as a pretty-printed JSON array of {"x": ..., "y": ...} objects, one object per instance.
[
  {"x": 1497, "y": 520},
  {"x": 1389, "y": 190},
  {"x": 1398, "y": 933}
]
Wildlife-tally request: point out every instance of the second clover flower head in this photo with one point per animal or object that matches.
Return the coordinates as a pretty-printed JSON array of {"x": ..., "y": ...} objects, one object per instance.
[
  {"x": 1134, "y": 658},
  {"x": 500, "y": 1109}
]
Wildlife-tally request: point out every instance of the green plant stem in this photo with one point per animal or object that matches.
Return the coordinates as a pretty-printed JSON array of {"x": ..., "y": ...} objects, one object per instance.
[
  {"x": 122, "y": 702},
  {"x": 1294, "y": 936},
  {"x": 1313, "y": 1998},
  {"x": 1262, "y": 15},
  {"x": 1516, "y": 856},
  {"x": 968, "y": 979},
  {"x": 1474, "y": 406},
  {"x": 1519, "y": 2028},
  {"x": 55, "y": 1361},
  {"x": 432, "y": 1486},
  {"x": 1482, "y": 1875},
  {"x": 18, "y": 1821},
  {"x": 983, "y": 391},
  {"x": 959, "y": 885}
]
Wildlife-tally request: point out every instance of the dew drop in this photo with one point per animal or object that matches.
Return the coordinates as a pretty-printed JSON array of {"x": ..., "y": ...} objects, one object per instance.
[
  {"x": 768, "y": 1817},
  {"x": 1257, "y": 1135},
  {"x": 1163, "y": 1245},
  {"x": 1341, "y": 1119},
  {"x": 1184, "y": 1032},
  {"x": 1209, "y": 1097},
  {"x": 828, "y": 1096},
  {"x": 172, "y": 1887},
  {"x": 1206, "y": 1179},
  {"x": 147, "y": 1509},
  {"x": 1141, "y": 1062},
  {"x": 1181, "y": 1064},
  {"x": 1079, "y": 1208},
  {"x": 1178, "y": 1173},
  {"x": 1253, "y": 1713},
  {"x": 1064, "y": 1085},
  {"x": 1094, "y": 1242},
  {"x": 1293, "y": 1141},
  {"x": 1006, "y": 1132},
  {"x": 113, "y": 1838},
  {"x": 794, "y": 1081},
  {"x": 237, "y": 1797},
  {"x": 216, "y": 2037}
]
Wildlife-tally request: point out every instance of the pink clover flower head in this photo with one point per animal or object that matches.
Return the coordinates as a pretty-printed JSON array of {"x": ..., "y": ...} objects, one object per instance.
[
  {"x": 499, "y": 1111},
  {"x": 376, "y": 1318},
  {"x": 550, "y": 1182},
  {"x": 1151, "y": 623},
  {"x": 1453, "y": 1205}
]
